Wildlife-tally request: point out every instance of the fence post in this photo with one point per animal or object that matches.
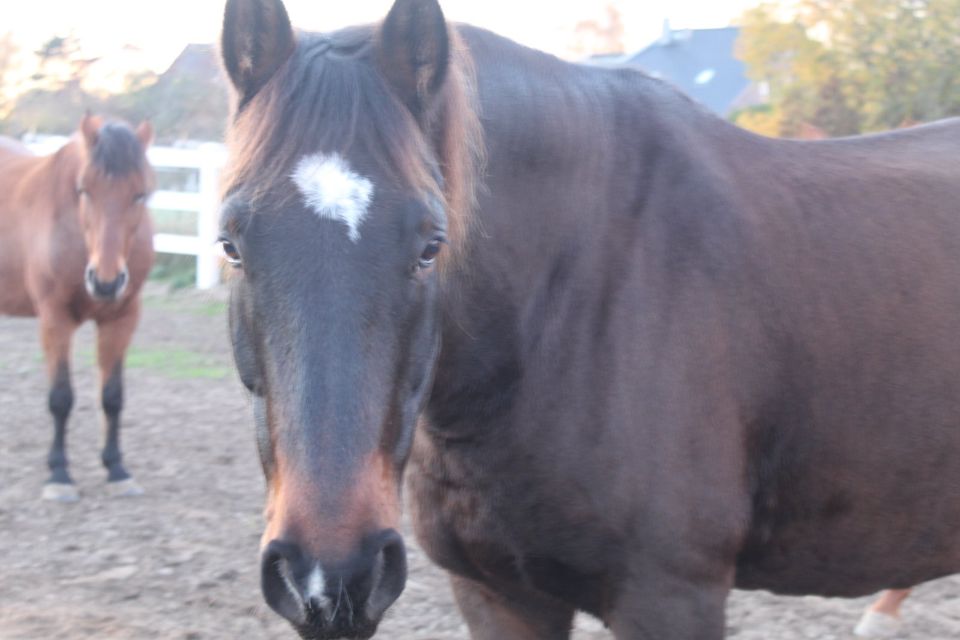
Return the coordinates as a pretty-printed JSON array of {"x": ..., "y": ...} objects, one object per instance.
[{"x": 208, "y": 223}]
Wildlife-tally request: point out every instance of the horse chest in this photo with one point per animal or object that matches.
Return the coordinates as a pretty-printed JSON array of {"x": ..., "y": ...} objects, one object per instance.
[{"x": 497, "y": 528}]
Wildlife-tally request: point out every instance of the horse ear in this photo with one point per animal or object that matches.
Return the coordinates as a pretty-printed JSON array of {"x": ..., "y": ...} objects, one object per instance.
[
  {"x": 413, "y": 52},
  {"x": 145, "y": 133},
  {"x": 90, "y": 128},
  {"x": 257, "y": 39}
]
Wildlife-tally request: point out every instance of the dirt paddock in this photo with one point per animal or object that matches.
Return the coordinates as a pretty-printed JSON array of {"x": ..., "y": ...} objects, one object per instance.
[{"x": 181, "y": 561}]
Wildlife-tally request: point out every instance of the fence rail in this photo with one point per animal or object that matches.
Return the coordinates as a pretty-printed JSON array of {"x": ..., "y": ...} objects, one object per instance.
[{"x": 206, "y": 160}]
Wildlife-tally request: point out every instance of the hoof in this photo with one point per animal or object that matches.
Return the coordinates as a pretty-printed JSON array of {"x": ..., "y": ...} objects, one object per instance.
[
  {"x": 124, "y": 489},
  {"x": 60, "y": 492},
  {"x": 874, "y": 624}
]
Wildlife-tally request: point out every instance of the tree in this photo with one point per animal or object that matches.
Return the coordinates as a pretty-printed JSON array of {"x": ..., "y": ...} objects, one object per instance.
[
  {"x": 60, "y": 63},
  {"x": 180, "y": 108},
  {"x": 595, "y": 37},
  {"x": 49, "y": 111},
  {"x": 55, "y": 100},
  {"x": 851, "y": 66},
  {"x": 187, "y": 102}
]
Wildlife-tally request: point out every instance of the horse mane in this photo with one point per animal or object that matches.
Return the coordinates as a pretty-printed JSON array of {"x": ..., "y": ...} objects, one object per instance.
[
  {"x": 117, "y": 152},
  {"x": 313, "y": 102},
  {"x": 460, "y": 144}
]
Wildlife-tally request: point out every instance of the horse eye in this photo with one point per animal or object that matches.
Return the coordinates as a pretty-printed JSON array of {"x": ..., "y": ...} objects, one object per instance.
[
  {"x": 429, "y": 255},
  {"x": 140, "y": 198},
  {"x": 230, "y": 251}
]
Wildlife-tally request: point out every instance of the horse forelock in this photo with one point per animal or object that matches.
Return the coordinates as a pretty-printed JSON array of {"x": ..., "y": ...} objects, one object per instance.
[
  {"x": 118, "y": 152},
  {"x": 329, "y": 97}
]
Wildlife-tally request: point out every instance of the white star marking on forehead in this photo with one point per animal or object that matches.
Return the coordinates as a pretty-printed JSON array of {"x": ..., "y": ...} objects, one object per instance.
[{"x": 333, "y": 190}]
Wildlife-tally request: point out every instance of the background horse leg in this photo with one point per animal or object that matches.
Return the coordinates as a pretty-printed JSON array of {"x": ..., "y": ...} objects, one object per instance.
[
  {"x": 113, "y": 338},
  {"x": 56, "y": 335},
  {"x": 882, "y": 619},
  {"x": 492, "y": 617}
]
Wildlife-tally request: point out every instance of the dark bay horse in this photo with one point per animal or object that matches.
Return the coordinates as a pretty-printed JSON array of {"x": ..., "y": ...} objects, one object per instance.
[
  {"x": 635, "y": 357},
  {"x": 76, "y": 244}
]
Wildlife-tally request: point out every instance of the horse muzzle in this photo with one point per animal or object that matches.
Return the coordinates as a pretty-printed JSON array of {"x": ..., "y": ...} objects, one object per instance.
[
  {"x": 105, "y": 291},
  {"x": 328, "y": 601}
]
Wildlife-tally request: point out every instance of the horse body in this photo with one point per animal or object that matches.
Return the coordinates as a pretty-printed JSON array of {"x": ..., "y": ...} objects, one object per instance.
[
  {"x": 806, "y": 367},
  {"x": 675, "y": 358},
  {"x": 860, "y": 277},
  {"x": 76, "y": 245},
  {"x": 790, "y": 369},
  {"x": 15, "y": 162}
]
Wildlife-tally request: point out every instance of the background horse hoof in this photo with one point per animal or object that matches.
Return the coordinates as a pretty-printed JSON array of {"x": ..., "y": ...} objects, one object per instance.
[
  {"x": 124, "y": 489},
  {"x": 874, "y": 624},
  {"x": 60, "y": 492}
]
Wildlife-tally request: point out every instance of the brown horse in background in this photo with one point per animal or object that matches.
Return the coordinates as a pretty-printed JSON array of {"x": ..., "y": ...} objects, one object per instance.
[
  {"x": 882, "y": 619},
  {"x": 76, "y": 244}
]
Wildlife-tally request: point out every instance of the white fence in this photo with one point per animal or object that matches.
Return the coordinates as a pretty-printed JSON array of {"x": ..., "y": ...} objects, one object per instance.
[{"x": 207, "y": 160}]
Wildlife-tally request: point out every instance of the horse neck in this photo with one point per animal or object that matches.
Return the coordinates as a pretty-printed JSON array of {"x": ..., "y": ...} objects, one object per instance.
[
  {"x": 56, "y": 179},
  {"x": 571, "y": 148},
  {"x": 574, "y": 157}
]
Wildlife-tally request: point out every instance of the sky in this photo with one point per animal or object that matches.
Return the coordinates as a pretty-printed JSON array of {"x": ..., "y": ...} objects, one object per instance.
[{"x": 137, "y": 34}]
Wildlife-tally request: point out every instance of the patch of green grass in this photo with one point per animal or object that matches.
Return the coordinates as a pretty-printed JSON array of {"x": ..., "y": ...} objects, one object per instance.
[
  {"x": 173, "y": 363},
  {"x": 203, "y": 308},
  {"x": 211, "y": 309},
  {"x": 177, "y": 364},
  {"x": 180, "y": 272}
]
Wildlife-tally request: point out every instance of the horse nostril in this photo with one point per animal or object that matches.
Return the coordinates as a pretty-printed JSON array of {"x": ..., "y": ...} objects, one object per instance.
[
  {"x": 279, "y": 568},
  {"x": 390, "y": 578}
]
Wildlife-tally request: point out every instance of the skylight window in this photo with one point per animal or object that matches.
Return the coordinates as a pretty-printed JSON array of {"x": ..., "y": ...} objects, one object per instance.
[{"x": 705, "y": 76}]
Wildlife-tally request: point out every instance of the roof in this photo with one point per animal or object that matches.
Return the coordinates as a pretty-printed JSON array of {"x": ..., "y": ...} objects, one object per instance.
[
  {"x": 197, "y": 61},
  {"x": 700, "y": 62}
]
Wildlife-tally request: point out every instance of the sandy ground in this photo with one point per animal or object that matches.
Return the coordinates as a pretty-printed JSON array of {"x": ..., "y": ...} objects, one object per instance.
[{"x": 181, "y": 562}]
